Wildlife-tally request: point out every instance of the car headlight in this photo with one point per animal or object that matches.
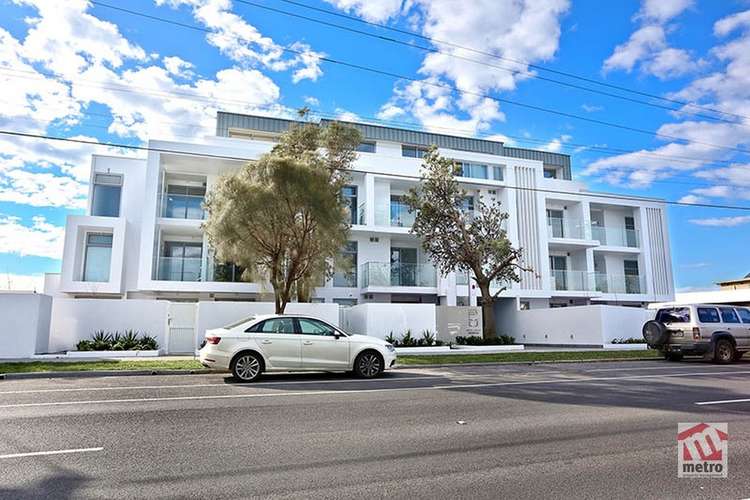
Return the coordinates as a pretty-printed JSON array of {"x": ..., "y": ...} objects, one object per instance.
[{"x": 390, "y": 347}]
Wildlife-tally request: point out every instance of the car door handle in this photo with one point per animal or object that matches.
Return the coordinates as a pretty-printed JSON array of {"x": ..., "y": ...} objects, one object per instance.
[
  {"x": 267, "y": 342},
  {"x": 307, "y": 342}
]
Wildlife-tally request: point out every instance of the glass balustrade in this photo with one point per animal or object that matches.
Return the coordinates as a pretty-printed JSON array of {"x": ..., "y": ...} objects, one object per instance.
[
  {"x": 179, "y": 268},
  {"x": 615, "y": 236},
  {"x": 398, "y": 274},
  {"x": 182, "y": 206},
  {"x": 558, "y": 227}
]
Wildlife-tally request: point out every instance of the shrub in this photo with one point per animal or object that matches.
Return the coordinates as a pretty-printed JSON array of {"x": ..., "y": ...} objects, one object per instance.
[
  {"x": 477, "y": 340},
  {"x": 128, "y": 341},
  {"x": 630, "y": 340},
  {"x": 407, "y": 340},
  {"x": 391, "y": 339},
  {"x": 428, "y": 337}
]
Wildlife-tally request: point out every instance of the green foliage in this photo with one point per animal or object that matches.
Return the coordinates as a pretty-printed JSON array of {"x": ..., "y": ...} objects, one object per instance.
[
  {"x": 391, "y": 339},
  {"x": 630, "y": 340},
  {"x": 458, "y": 240},
  {"x": 128, "y": 341},
  {"x": 282, "y": 218},
  {"x": 476, "y": 340},
  {"x": 428, "y": 338},
  {"x": 407, "y": 340}
]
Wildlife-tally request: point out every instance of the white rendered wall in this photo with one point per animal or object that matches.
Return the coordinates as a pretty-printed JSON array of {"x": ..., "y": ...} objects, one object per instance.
[
  {"x": 218, "y": 314},
  {"x": 24, "y": 324},
  {"x": 77, "y": 319},
  {"x": 379, "y": 320}
]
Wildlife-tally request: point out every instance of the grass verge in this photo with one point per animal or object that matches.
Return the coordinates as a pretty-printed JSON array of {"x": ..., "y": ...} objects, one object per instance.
[
  {"x": 440, "y": 359},
  {"x": 71, "y": 366}
]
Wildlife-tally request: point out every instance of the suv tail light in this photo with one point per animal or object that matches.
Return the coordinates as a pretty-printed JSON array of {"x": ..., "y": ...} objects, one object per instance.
[
  {"x": 213, "y": 340},
  {"x": 696, "y": 333}
]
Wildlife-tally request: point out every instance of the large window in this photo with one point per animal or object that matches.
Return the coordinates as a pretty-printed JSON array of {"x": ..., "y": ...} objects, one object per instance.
[
  {"x": 181, "y": 261},
  {"x": 497, "y": 172},
  {"x": 314, "y": 327},
  {"x": 184, "y": 202},
  {"x": 346, "y": 273},
  {"x": 366, "y": 147},
  {"x": 708, "y": 315},
  {"x": 105, "y": 201},
  {"x": 632, "y": 278},
  {"x": 98, "y": 257},
  {"x": 728, "y": 315},
  {"x": 349, "y": 193},
  {"x": 413, "y": 151},
  {"x": 472, "y": 170},
  {"x": 550, "y": 173}
]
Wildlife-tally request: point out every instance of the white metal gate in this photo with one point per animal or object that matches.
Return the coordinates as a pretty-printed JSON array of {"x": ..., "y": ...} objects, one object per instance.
[{"x": 182, "y": 328}]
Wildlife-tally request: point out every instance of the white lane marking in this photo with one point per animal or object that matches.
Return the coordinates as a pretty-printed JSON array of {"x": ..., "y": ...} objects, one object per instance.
[
  {"x": 722, "y": 402},
  {"x": 361, "y": 391},
  {"x": 235, "y": 384},
  {"x": 44, "y": 453},
  {"x": 686, "y": 367}
]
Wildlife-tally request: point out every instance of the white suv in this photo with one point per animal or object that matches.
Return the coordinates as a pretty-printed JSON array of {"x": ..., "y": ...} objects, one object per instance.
[
  {"x": 292, "y": 343},
  {"x": 721, "y": 333}
]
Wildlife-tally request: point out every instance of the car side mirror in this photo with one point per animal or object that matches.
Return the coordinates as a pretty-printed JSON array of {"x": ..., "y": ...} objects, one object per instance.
[{"x": 336, "y": 335}]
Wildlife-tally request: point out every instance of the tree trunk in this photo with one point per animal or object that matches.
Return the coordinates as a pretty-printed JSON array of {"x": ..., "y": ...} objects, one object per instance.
[{"x": 488, "y": 311}]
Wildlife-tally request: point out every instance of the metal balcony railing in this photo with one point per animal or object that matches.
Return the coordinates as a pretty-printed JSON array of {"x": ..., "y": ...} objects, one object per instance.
[{"x": 397, "y": 274}]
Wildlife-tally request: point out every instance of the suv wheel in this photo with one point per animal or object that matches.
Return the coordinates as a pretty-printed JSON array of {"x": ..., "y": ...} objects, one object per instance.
[
  {"x": 368, "y": 364},
  {"x": 723, "y": 352},
  {"x": 247, "y": 367}
]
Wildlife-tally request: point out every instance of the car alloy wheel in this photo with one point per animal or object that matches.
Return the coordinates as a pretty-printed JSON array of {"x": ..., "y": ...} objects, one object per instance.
[
  {"x": 369, "y": 365},
  {"x": 246, "y": 367},
  {"x": 724, "y": 352}
]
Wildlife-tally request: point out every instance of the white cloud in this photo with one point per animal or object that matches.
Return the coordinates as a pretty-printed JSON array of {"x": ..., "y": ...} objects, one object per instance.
[
  {"x": 24, "y": 282},
  {"x": 527, "y": 30},
  {"x": 178, "y": 67},
  {"x": 40, "y": 239},
  {"x": 726, "y": 89},
  {"x": 372, "y": 10},
  {"x": 312, "y": 101},
  {"x": 243, "y": 43},
  {"x": 648, "y": 47},
  {"x": 591, "y": 108},
  {"x": 556, "y": 144},
  {"x": 723, "y": 221},
  {"x": 691, "y": 198}
]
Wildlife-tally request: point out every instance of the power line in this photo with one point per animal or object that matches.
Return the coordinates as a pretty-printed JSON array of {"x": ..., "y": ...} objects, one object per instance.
[
  {"x": 245, "y": 159},
  {"x": 483, "y": 63},
  {"x": 456, "y": 89},
  {"x": 508, "y": 59}
]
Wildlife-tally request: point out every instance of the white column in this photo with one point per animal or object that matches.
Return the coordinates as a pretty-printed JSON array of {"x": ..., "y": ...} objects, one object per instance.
[{"x": 369, "y": 199}]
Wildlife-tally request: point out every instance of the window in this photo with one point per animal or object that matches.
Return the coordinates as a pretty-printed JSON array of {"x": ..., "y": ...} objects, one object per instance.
[
  {"x": 346, "y": 275},
  {"x": 349, "y": 194},
  {"x": 728, "y": 315},
  {"x": 497, "y": 173},
  {"x": 315, "y": 327},
  {"x": 366, "y": 147},
  {"x": 413, "y": 151},
  {"x": 673, "y": 315},
  {"x": 744, "y": 314},
  {"x": 275, "y": 325},
  {"x": 345, "y": 302},
  {"x": 184, "y": 202},
  {"x": 98, "y": 256},
  {"x": 105, "y": 200},
  {"x": 550, "y": 173},
  {"x": 472, "y": 170},
  {"x": 180, "y": 261},
  {"x": 708, "y": 315},
  {"x": 468, "y": 204},
  {"x": 555, "y": 223}
]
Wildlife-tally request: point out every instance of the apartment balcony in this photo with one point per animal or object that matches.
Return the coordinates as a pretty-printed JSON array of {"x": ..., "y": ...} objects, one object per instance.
[
  {"x": 386, "y": 274},
  {"x": 570, "y": 281},
  {"x": 625, "y": 284},
  {"x": 567, "y": 228},
  {"x": 182, "y": 206},
  {"x": 179, "y": 268},
  {"x": 615, "y": 236}
]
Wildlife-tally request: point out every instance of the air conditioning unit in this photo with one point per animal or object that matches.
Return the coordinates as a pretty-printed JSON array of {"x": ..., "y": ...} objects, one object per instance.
[{"x": 374, "y": 239}]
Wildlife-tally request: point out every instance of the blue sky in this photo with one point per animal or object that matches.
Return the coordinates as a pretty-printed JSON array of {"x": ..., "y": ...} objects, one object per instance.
[{"x": 77, "y": 69}]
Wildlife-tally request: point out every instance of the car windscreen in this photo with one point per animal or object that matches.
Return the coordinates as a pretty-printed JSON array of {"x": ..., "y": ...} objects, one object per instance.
[
  {"x": 239, "y": 322},
  {"x": 674, "y": 315}
]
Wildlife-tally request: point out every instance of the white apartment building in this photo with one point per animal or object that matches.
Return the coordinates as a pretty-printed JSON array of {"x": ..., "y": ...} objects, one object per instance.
[{"x": 141, "y": 237}]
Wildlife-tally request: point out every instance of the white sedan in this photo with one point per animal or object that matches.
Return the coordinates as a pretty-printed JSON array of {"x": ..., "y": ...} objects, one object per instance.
[{"x": 275, "y": 342}]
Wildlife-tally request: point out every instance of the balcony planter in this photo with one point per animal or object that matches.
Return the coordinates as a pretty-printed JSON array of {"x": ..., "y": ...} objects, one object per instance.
[{"x": 115, "y": 354}]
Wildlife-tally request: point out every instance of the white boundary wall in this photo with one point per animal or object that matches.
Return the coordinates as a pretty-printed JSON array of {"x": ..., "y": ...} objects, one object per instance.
[
  {"x": 24, "y": 324},
  {"x": 217, "y": 314},
  {"x": 77, "y": 319},
  {"x": 379, "y": 320},
  {"x": 580, "y": 325}
]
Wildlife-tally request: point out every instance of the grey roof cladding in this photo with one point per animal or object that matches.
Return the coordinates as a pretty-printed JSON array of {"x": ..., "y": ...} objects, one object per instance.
[{"x": 226, "y": 121}]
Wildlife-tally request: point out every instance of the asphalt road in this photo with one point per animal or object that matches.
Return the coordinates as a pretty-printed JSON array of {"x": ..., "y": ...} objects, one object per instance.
[{"x": 587, "y": 430}]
